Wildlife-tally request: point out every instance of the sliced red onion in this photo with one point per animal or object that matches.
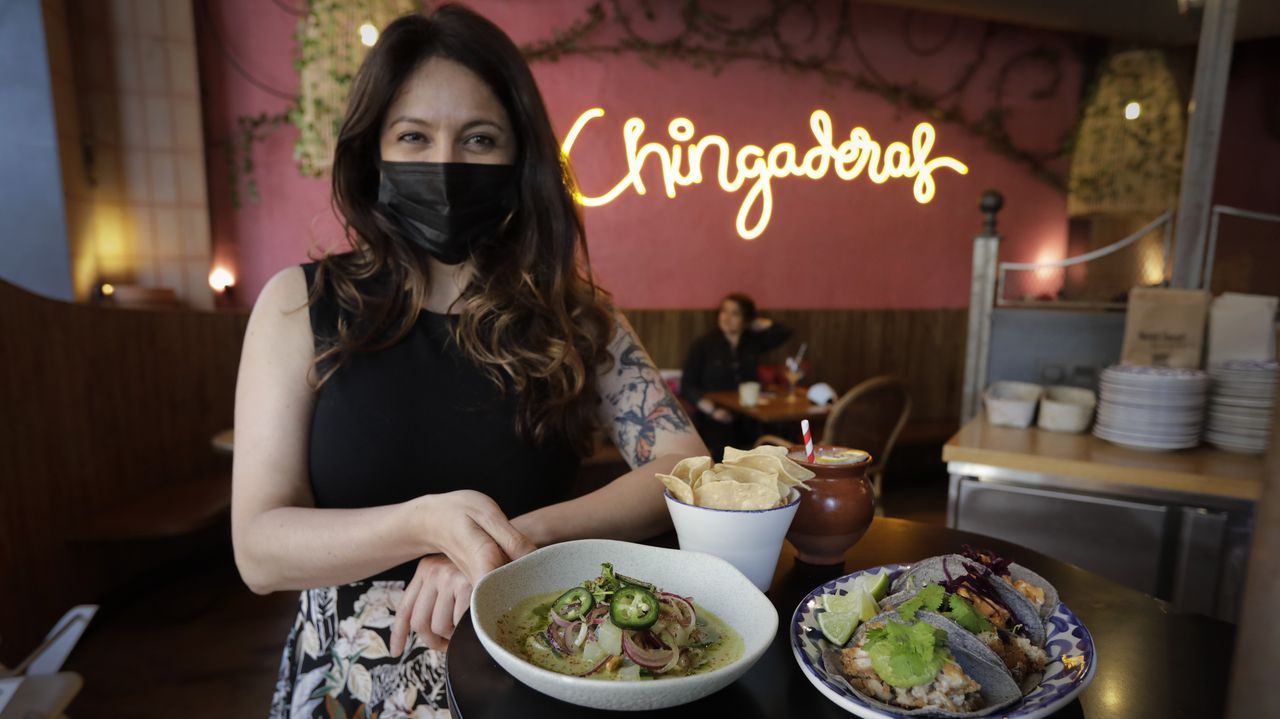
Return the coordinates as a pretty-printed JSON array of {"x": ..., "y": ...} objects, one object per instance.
[
  {"x": 559, "y": 620},
  {"x": 554, "y": 639},
  {"x": 647, "y": 658},
  {"x": 675, "y": 659},
  {"x": 598, "y": 614},
  {"x": 684, "y": 606}
]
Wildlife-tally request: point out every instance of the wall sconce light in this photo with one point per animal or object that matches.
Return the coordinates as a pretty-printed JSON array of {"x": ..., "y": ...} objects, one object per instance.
[
  {"x": 368, "y": 34},
  {"x": 107, "y": 289},
  {"x": 221, "y": 280}
]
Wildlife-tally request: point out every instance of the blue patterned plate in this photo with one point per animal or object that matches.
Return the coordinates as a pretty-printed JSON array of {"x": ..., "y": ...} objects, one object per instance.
[{"x": 1072, "y": 658}]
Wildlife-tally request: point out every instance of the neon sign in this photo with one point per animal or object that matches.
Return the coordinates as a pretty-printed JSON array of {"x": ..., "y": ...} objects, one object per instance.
[{"x": 681, "y": 163}]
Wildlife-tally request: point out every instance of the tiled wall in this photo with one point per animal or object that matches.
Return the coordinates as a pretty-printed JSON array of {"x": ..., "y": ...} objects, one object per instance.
[{"x": 132, "y": 147}]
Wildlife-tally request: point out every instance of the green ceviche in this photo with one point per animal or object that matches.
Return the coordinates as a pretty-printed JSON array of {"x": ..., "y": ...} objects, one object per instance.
[{"x": 618, "y": 627}]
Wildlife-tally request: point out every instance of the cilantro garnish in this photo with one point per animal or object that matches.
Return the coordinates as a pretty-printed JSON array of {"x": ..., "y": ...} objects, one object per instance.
[
  {"x": 929, "y": 598},
  {"x": 906, "y": 655},
  {"x": 962, "y": 612},
  {"x": 605, "y": 585}
]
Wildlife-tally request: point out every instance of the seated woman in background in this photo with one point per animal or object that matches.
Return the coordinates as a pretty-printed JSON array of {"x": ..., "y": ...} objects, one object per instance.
[{"x": 721, "y": 360}]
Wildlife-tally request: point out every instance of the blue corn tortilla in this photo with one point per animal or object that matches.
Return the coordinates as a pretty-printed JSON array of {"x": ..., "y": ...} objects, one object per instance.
[
  {"x": 936, "y": 570},
  {"x": 975, "y": 658}
]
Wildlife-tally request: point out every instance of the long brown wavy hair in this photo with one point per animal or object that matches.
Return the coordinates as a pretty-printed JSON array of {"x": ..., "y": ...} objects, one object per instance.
[{"x": 532, "y": 317}]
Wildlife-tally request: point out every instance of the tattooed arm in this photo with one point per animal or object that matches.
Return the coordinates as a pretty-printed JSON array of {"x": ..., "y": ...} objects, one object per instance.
[
  {"x": 650, "y": 427},
  {"x": 639, "y": 411}
]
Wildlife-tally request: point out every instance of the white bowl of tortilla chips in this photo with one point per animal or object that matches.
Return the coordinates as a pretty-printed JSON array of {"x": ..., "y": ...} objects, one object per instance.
[{"x": 739, "y": 509}]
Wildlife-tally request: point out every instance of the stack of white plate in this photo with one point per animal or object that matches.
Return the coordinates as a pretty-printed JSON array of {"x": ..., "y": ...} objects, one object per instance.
[
  {"x": 1151, "y": 407},
  {"x": 1241, "y": 404}
]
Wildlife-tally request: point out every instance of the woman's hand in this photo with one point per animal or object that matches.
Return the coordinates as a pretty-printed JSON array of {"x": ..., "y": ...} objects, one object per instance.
[
  {"x": 432, "y": 604},
  {"x": 712, "y": 410},
  {"x": 472, "y": 532},
  {"x": 760, "y": 324}
]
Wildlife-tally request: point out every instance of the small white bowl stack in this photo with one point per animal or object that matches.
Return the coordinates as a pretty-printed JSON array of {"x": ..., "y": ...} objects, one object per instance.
[
  {"x": 1151, "y": 408},
  {"x": 1241, "y": 405}
]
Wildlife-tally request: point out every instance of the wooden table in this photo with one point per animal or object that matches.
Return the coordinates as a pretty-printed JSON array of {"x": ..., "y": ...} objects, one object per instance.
[
  {"x": 772, "y": 408},
  {"x": 1151, "y": 662}
]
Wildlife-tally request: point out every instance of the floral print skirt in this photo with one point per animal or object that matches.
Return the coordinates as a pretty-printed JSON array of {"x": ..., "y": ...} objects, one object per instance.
[{"x": 336, "y": 664}]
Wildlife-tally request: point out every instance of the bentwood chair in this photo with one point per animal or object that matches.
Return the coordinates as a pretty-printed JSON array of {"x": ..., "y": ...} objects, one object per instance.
[{"x": 868, "y": 417}]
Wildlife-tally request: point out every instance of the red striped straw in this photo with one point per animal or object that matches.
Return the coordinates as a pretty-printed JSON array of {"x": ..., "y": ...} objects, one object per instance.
[{"x": 808, "y": 439}]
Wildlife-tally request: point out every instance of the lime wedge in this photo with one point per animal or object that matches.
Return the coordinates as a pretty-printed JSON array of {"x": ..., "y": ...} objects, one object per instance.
[
  {"x": 844, "y": 613},
  {"x": 858, "y": 602},
  {"x": 837, "y": 628},
  {"x": 876, "y": 584}
]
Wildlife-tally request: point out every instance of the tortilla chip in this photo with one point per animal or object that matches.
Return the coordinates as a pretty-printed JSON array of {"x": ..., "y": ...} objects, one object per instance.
[
  {"x": 687, "y": 469},
  {"x": 786, "y": 470},
  {"x": 746, "y": 475},
  {"x": 742, "y": 473},
  {"x": 735, "y": 496},
  {"x": 769, "y": 450},
  {"x": 679, "y": 488}
]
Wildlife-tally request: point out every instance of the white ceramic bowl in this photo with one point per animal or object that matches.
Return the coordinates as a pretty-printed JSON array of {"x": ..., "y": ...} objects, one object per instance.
[
  {"x": 1012, "y": 404},
  {"x": 1066, "y": 409},
  {"x": 749, "y": 539},
  {"x": 712, "y": 582}
]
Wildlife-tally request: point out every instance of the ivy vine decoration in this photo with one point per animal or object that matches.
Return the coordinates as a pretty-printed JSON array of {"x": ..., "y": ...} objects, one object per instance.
[
  {"x": 250, "y": 130},
  {"x": 329, "y": 53},
  {"x": 705, "y": 39},
  {"x": 1122, "y": 163}
]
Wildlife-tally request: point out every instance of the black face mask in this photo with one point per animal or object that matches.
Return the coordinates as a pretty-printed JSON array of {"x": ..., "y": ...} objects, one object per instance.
[{"x": 448, "y": 208}]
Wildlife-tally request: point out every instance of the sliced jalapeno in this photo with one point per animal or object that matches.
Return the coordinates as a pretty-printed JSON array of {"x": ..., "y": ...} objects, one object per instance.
[
  {"x": 574, "y": 604},
  {"x": 633, "y": 608}
]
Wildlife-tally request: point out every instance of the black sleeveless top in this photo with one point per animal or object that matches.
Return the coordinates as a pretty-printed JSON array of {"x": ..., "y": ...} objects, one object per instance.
[{"x": 421, "y": 418}]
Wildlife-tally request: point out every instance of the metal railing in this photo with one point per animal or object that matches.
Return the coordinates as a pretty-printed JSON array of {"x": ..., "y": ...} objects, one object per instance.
[{"x": 1165, "y": 220}]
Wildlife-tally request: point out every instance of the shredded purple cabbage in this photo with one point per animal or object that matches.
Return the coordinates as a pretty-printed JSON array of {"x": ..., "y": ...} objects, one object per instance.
[
  {"x": 981, "y": 586},
  {"x": 989, "y": 559}
]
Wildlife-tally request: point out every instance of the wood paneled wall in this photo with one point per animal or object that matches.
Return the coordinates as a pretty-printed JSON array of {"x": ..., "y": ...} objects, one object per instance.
[
  {"x": 923, "y": 347},
  {"x": 100, "y": 405},
  {"x": 97, "y": 405}
]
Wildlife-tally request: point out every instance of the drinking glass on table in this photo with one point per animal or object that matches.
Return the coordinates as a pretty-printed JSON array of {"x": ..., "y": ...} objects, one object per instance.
[{"x": 793, "y": 373}]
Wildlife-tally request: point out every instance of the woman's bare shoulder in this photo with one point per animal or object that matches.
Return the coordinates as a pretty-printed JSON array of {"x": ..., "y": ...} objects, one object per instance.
[
  {"x": 280, "y": 313},
  {"x": 284, "y": 293}
]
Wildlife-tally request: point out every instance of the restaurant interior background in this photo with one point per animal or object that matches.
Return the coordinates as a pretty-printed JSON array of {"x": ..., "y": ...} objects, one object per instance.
[{"x": 164, "y": 158}]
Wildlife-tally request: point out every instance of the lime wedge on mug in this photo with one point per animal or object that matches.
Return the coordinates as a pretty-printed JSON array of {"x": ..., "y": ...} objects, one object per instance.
[{"x": 876, "y": 584}]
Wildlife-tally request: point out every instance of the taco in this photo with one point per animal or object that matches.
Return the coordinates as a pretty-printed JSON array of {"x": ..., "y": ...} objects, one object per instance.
[
  {"x": 1034, "y": 587},
  {"x": 997, "y": 601},
  {"x": 914, "y": 667},
  {"x": 952, "y": 612}
]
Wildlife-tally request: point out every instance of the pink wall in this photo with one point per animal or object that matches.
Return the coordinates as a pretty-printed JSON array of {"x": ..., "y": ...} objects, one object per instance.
[{"x": 830, "y": 244}]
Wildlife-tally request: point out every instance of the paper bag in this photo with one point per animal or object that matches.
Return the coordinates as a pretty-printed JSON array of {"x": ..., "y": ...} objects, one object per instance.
[{"x": 1165, "y": 327}]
